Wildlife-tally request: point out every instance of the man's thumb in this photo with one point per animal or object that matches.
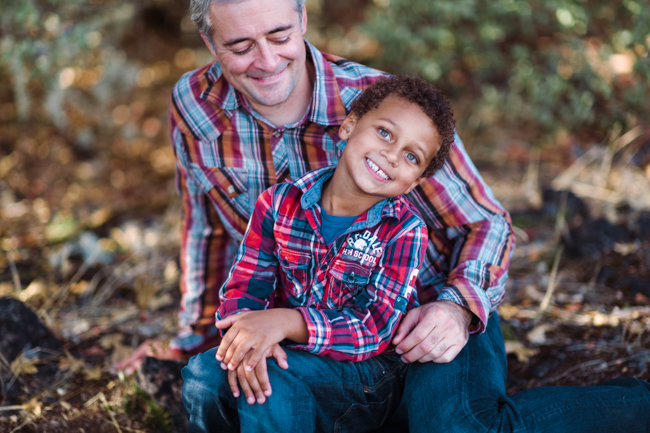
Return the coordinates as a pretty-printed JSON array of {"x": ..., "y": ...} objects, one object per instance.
[
  {"x": 227, "y": 322},
  {"x": 280, "y": 356},
  {"x": 405, "y": 327}
]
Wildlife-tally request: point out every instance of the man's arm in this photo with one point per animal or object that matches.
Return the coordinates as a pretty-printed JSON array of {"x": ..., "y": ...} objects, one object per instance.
[
  {"x": 203, "y": 260},
  {"x": 471, "y": 229},
  {"x": 204, "y": 242}
]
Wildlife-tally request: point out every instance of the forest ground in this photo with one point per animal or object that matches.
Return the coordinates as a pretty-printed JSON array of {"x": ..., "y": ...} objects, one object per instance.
[{"x": 90, "y": 240}]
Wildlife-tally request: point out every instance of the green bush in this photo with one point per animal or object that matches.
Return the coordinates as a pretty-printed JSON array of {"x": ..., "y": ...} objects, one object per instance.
[
  {"x": 45, "y": 46},
  {"x": 578, "y": 65}
]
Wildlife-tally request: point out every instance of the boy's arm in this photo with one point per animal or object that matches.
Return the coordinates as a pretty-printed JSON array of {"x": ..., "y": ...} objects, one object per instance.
[
  {"x": 257, "y": 332},
  {"x": 359, "y": 332},
  {"x": 252, "y": 277}
]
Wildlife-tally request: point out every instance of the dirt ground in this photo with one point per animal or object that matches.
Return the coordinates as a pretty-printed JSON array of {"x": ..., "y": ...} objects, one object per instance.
[{"x": 89, "y": 236}]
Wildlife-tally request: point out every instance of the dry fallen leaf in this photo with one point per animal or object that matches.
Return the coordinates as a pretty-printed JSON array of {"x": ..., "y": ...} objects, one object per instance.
[
  {"x": 538, "y": 335},
  {"x": 110, "y": 340},
  {"x": 120, "y": 353},
  {"x": 161, "y": 301},
  {"x": 508, "y": 311},
  {"x": 22, "y": 365},
  {"x": 34, "y": 407},
  {"x": 71, "y": 363},
  {"x": 636, "y": 328},
  {"x": 94, "y": 373},
  {"x": 520, "y": 351}
]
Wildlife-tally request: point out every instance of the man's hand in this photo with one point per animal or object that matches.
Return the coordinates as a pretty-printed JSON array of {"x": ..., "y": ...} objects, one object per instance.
[
  {"x": 433, "y": 332},
  {"x": 257, "y": 332},
  {"x": 255, "y": 384},
  {"x": 157, "y": 348}
]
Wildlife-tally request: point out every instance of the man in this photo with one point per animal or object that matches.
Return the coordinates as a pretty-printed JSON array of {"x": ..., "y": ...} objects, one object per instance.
[{"x": 269, "y": 110}]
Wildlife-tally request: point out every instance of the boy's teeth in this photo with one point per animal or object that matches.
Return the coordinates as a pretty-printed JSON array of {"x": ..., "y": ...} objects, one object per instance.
[{"x": 377, "y": 170}]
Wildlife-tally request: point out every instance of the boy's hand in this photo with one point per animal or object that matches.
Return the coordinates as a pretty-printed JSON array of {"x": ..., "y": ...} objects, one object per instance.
[
  {"x": 255, "y": 384},
  {"x": 433, "y": 332},
  {"x": 257, "y": 332}
]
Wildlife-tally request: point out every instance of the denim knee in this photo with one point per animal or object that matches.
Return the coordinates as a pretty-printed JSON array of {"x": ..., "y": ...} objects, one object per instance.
[{"x": 208, "y": 402}]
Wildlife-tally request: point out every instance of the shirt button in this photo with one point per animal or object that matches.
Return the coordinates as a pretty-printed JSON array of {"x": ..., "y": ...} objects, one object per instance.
[
  {"x": 276, "y": 133},
  {"x": 351, "y": 278},
  {"x": 323, "y": 266}
]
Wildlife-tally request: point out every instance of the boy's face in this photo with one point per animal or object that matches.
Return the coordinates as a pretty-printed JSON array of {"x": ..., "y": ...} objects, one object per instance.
[{"x": 389, "y": 148}]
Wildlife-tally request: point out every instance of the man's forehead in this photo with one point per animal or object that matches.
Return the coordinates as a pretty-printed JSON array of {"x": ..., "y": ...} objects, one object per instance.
[{"x": 236, "y": 18}]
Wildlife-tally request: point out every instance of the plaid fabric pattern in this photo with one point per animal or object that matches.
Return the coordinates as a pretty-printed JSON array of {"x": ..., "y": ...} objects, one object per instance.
[
  {"x": 352, "y": 294},
  {"x": 227, "y": 155}
]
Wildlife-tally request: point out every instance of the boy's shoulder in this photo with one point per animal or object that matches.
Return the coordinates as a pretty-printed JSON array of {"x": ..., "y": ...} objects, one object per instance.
[
  {"x": 406, "y": 213},
  {"x": 293, "y": 190}
]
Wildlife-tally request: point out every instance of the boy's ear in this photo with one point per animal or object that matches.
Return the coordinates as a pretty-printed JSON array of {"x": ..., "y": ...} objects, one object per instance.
[
  {"x": 347, "y": 126},
  {"x": 415, "y": 183}
]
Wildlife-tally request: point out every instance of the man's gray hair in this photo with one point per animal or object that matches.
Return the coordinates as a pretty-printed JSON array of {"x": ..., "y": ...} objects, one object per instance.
[{"x": 200, "y": 10}]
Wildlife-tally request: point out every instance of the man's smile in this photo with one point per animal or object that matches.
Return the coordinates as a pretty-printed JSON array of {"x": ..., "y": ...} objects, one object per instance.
[{"x": 265, "y": 77}]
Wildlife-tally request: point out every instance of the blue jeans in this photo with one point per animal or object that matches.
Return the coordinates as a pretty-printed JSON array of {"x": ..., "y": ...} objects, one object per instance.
[
  {"x": 469, "y": 395},
  {"x": 316, "y": 393},
  {"x": 465, "y": 395}
]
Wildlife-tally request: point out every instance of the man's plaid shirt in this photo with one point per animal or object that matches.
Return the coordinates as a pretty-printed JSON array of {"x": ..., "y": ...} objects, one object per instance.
[
  {"x": 227, "y": 155},
  {"x": 352, "y": 293}
]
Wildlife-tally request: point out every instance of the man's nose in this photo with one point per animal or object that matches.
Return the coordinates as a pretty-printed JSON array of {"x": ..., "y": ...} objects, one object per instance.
[{"x": 267, "y": 60}]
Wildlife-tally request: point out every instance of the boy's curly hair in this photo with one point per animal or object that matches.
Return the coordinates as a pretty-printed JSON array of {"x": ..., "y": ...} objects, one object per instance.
[{"x": 428, "y": 98}]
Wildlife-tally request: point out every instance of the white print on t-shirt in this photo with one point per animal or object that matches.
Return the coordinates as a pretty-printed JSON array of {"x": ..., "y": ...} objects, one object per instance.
[{"x": 365, "y": 247}]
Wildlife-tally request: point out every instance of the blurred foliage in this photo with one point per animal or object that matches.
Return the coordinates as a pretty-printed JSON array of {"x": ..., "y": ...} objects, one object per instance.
[
  {"x": 544, "y": 66},
  {"x": 50, "y": 48}
]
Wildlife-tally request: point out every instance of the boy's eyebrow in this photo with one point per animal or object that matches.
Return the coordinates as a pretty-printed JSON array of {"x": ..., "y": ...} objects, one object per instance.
[
  {"x": 235, "y": 41},
  {"x": 390, "y": 121}
]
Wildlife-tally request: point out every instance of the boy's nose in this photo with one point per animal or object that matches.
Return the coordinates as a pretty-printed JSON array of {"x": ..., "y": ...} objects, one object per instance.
[{"x": 390, "y": 156}]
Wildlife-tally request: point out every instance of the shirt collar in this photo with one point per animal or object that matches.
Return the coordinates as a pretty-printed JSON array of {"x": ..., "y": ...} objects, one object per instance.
[
  {"x": 311, "y": 185},
  {"x": 326, "y": 107}
]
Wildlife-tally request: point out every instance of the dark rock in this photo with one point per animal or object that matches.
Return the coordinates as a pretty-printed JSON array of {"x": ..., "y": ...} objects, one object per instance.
[
  {"x": 21, "y": 330},
  {"x": 163, "y": 382},
  {"x": 606, "y": 274},
  {"x": 594, "y": 238},
  {"x": 642, "y": 227},
  {"x": 575, "y": 209},
  {"x": 634, "y": 285}
]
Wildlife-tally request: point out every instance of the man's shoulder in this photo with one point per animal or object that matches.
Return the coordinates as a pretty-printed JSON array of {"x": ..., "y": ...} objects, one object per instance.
[
  {"x": 194, "y": 113},
  {"x": 351, "y": 77},
  {"x": 352, "y": 73}
]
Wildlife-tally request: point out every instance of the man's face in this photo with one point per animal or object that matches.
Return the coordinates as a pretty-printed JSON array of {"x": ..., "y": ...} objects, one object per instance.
[
  {"x": 389, "y": 148},
  {"x": 260, "y": 48}
]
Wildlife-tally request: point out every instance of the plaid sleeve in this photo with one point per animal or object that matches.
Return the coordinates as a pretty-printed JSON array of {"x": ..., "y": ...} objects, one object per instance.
[
  {"x": 252, "y": 277},
  {"x": 357, "y": 333},
  {"x": 204, "y": 242},
  {"x": 473, "y": 230}
]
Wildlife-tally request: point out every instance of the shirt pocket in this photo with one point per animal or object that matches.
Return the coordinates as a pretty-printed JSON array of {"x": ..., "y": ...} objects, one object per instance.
[
  {"x": 348, "y": 280},
  {"x": 228, "y": 187},
  {"x": 295, "y": 274}
]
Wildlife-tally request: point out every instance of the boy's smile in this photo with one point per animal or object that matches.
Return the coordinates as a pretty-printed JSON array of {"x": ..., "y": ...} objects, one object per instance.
[{"x": 387, "y": 151}]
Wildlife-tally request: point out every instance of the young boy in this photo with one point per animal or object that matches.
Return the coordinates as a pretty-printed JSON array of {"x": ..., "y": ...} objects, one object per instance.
[{"x": 327, "y": 266}]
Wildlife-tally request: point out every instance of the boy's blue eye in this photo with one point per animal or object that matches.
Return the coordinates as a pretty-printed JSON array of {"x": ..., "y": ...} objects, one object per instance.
[
  {"x": 384, "y": 133},
  {"x": 411, "y": 157}
]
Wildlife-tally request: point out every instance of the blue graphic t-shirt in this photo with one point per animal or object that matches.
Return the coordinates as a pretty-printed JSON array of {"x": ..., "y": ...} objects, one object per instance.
[{"x": 333, "y": 226}]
